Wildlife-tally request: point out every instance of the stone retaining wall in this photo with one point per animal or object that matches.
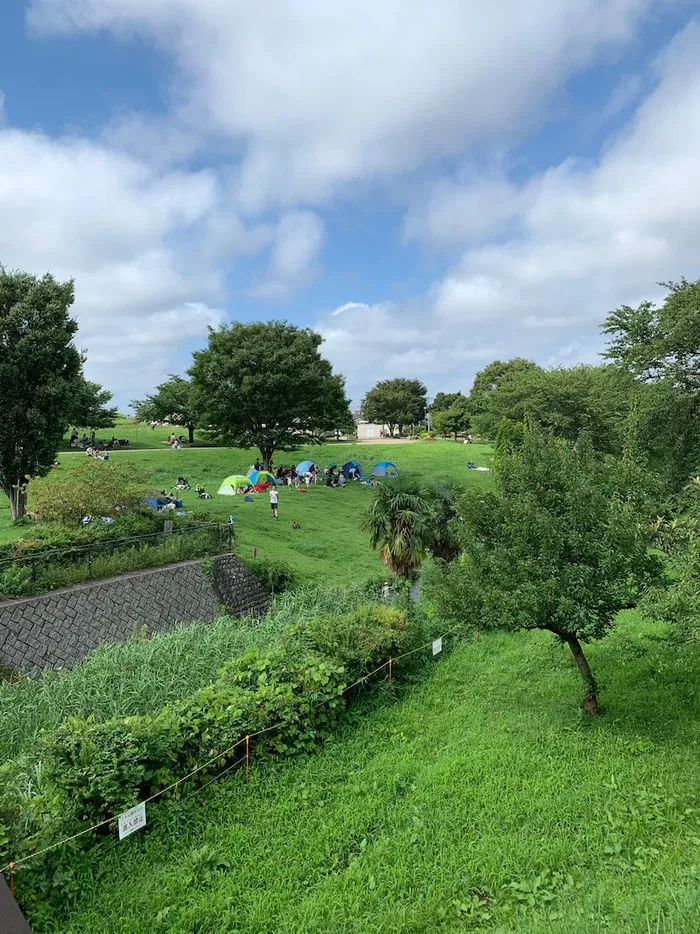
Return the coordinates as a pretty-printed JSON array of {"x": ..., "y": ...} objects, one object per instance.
[{"x": 62, "y": 627}]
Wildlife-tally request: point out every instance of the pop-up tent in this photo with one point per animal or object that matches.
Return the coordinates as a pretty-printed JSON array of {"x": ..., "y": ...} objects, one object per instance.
[
  {"x": 232, "y": 484},
  {"x": 304, "y": 467},
  {"x": 384, "y": 469},
  {"x": 359, "y": 472},
  {"x": 261, "y": 476}
]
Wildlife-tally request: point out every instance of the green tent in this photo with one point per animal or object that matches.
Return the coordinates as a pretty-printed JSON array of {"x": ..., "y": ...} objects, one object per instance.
[{"x": 233, "y": 483}]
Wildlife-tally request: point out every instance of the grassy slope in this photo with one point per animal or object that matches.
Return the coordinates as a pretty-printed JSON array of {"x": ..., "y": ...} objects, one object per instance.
[
  {"x": 138, "y": 434},
  {"x": 482, "y": 776},
  {"x": 329, "y": 546}
]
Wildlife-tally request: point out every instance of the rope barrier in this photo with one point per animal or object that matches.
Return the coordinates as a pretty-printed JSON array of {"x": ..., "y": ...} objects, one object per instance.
[{"x": 246, "y": 739}]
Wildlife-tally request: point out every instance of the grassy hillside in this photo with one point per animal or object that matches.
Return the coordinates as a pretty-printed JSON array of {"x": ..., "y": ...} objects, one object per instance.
[
  {"x": 479, "y": 799},
  {"x": 329, "y": 545}
]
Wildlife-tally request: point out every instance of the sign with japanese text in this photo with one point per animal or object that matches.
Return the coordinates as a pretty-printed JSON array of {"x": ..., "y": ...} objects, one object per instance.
[{"x": 131, "y": 820}]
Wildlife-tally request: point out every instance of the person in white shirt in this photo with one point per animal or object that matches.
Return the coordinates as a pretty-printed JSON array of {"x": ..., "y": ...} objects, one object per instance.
[{"x": 274, "y": 496}]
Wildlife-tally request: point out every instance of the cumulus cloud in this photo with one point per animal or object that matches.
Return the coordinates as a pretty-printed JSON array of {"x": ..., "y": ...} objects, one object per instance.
[
  {"x": 297, "y": 243},
  {"x": 583, "y": 238},
  {"x": 129, "y": 236},
  {"x": 321, "y": 94},
  {"x": 322, "y": 100}
]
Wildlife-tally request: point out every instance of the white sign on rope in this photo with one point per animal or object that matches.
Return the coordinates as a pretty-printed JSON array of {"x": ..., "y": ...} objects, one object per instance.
[
  {"x": 437, "y": 646},
  {"x": 131, "y": 820}
]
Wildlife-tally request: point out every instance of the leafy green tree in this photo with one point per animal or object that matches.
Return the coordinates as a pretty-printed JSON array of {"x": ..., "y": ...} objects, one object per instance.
[
  {"x": 660, "y": 347},
  {"x": 90, "y": 408},
  {"x": 40, "y": 373},
  {"x": 91, "y": 487},
  {"x": 396, "y": 402},
  {"x": 509, "y": 437},
  {"x": 446, "y": 400},
  {"x": 453, "y": 421},
  {"x": 677, "y": 601},
  {"x": 503, "y": 389},
  {"x": 558, "y": 544},
  {"x": 267, "y": 386},
  {"x": 401, "y": 520},
  {"x": 172, "y": 402}
]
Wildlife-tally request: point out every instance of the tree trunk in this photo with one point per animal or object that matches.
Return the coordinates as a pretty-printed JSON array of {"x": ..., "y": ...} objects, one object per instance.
[
  {"x": 190, "y": 430},
  {"x": 266, "y": 454},
  {"x": 18, "y": 502},
  {"x": 590, "y": 694}
]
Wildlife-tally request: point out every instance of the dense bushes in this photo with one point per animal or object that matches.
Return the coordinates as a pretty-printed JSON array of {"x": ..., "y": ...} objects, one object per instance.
[
  {"x": 35, "y": 569},
  {"x": 91, "y": 771},
  {"x": 275, "y": 576}
]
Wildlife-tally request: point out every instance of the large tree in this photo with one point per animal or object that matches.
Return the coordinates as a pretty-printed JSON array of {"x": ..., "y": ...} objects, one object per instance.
[
  {"x": 172, "y": 402},
  {"x": 267, "y": 386},
  {"x": 446, "y": 400},
  {"x": 561, "y": 543},
  {"x": 395, "y": 403},
  {"x": 40, "y": 374},
  {"x": 90, "y": 406},
  {"x": 660, "y": 347}
]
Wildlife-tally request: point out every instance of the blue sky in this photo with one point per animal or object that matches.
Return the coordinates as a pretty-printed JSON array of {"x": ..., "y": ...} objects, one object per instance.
[{"x": 430, "y": 185}]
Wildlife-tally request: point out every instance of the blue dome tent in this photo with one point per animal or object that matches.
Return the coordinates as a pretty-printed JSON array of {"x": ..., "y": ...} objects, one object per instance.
[
  {"x": 304, "y": 467},
  {"x": 359, "y": 472},
  {"x": 262, "y": 476},
  {"x": 384, "y": 469}
]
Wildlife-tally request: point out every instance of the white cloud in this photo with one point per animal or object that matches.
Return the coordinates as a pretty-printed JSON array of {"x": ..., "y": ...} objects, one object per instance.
[
  {"x": 297, "y": 242},
  {"x": 318, "y": 95},
  {"x": 584, "y": 238},
  {"x": 127, "y": 234}
]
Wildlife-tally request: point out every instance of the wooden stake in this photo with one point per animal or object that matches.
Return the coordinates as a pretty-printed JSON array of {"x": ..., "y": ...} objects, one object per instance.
[{"x": 247, "y": 758}]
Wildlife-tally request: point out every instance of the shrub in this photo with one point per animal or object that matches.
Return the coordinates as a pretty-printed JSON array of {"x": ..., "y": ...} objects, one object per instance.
[
  {"x": 276, "y": 576},
  {"x": 94, "y": 487},
  {"x": 92, "y": 771}
]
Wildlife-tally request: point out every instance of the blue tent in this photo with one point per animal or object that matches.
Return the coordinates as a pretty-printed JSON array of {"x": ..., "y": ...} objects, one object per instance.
[
  {"x": 304, "y": 467},
  {"x": 384, "y": 469},
  {"x": 261, "y": 476},
  {"x": 358, "y": 469}
]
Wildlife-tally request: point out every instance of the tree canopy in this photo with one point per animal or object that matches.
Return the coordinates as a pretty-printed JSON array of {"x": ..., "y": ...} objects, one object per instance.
[
  {"x": 90, "y": 406},
  {"x": 454, "y": 420},
  {"x": 660, "y": 348},
  {"x": 559, "y": 544},
  {"x": 266, "y": 385},
  {"x": 40, "y": 377},
  {"x": 446, "y": 400},
  {"x": 172, "y": 402},
  {"x": 396, "y": 403}
]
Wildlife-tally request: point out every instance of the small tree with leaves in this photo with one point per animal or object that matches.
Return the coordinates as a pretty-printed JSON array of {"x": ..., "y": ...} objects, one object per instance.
[
  {"x": 558, "y": 545},
  {"x": 172, "y": 402},
  {"x": 453, "y": 421}
]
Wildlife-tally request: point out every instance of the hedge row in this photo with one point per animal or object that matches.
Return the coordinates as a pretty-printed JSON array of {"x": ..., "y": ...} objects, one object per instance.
[{"x": 93, "y": 771}]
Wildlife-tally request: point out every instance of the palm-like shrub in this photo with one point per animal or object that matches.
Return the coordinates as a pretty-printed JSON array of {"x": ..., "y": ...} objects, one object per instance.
[{"x": 401, "y": 521}]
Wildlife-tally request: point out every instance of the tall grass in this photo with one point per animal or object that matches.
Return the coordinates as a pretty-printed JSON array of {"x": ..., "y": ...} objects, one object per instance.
[{"x": 143, "y": 675}]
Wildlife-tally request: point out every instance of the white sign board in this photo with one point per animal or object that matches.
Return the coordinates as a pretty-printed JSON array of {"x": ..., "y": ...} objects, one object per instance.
[
  {"x": 437, "y": 646},
  {"x": 131, "y": 820}
]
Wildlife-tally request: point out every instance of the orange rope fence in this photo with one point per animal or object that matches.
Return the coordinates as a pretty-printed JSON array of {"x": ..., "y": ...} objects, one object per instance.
[{"x": 246, "y": 739}]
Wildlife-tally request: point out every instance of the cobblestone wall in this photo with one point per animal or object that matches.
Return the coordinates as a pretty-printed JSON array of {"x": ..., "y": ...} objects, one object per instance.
[{"x": 60, "y": 628}]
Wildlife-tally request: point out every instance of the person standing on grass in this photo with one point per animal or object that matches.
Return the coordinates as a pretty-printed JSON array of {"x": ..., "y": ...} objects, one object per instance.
[{"x": 274, "y": 495}]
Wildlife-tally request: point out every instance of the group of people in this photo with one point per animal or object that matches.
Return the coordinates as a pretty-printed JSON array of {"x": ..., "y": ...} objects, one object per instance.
[
  {"x": 175, "y": 442},
  {"x": 95, "y": 452},
  {"x": 77, "y": 441}
]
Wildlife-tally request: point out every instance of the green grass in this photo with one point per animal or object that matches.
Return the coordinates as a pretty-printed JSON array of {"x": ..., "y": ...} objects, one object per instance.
[
  {"x": 329, "y": 545},
  {"x": 480, "y": 799},
  {"x": 139, "y": 435}
]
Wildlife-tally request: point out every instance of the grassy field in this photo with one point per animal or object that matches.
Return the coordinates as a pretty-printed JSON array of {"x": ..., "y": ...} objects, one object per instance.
[
  {"x": 479, "y": 799},
  {"x": 139, "y": 435},
  {"x": 329, "y": 545}
]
